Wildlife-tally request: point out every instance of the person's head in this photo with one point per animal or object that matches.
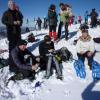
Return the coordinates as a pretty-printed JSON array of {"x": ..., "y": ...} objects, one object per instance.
[
  {"x": 11, "y": 5},
  {"x": 22, "y": 45},
  {"x": 52, "y": 7},
  {"x": 86, "y": 12},
  {"x": 47, "y": 39},
  {"x": 93, "y": 9},
  {"x": 85, "y": 34},
  {"x": 62, "y": 6}
]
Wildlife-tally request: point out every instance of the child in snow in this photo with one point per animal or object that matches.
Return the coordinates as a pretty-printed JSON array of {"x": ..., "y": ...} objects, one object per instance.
[
  {"x": 46, "y": 50},
  {"x": 85, "y": 47},
  {"x": 52, "y": 18}
]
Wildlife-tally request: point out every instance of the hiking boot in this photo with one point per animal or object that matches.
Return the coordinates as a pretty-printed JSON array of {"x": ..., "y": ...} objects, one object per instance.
[
  {"x": 18, "y": 76},
  {"x": 47, "y": 77},
  {"x": 60, "y": 77}
]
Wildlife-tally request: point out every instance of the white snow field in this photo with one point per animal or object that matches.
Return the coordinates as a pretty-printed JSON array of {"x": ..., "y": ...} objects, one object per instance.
[{"x": 70, "y": 88}]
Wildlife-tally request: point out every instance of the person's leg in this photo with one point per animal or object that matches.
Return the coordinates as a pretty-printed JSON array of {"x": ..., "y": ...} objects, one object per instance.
[
  {"x": 59, "y": 30},
  {"x": 90, "y": 60},
  {"x": 59, "y": 72},
  {"x": 81, "y": 57},
  {"x": 50, "y": 31},
  {"x": 48, "y": 70},
  {"x": 54, "y": 33},
  {"x": 66, "y": 31}
]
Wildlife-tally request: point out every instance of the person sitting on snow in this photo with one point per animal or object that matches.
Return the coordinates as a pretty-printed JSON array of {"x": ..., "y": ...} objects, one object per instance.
[
  {"x": 24, "y": 63},
  {"x": 82, "y": 28},
  {"x": 85, "y": 48},
  {"x": 47, "y": 50}
]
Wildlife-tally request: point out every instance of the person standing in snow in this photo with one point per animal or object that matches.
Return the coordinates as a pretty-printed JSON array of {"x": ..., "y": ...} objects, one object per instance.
[
  {"x": 39, "y": 22},
  {"x": 23, "y": 61},
  {"x": 86, "y": 17},
  {"x": 52, "y": 19},
  {"x": 85, "y": 48},
  {"x": 79, "y": 19},
  {"x": 94, "y": 16},
  {"x": 45, "y": 23},
  {"x": 13, "y": 21},
  {"x": 46, "y": 50},
  {"x": 64, "y": 20}
]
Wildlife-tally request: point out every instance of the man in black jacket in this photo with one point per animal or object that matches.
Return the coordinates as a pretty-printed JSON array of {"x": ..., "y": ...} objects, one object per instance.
[
  {"x": 22, "y": 60},
  {"x": 46, "y": 50},
  {"x": 13, "y": 19}
]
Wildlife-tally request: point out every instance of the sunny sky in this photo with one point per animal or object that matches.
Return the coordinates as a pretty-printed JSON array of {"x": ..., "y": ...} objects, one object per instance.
[{"x": 35, "y": 8}]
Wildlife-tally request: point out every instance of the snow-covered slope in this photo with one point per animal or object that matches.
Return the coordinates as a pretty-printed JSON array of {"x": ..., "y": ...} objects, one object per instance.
[{"x": 71, "y": 88}]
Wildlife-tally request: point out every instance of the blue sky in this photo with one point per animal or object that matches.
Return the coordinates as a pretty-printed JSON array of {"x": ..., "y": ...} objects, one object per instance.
[{"x": 35, "y": 8}]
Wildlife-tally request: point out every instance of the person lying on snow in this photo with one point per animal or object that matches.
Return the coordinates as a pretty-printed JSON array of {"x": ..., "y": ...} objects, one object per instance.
[
  {"x": 85, "y": 48},
  {"x": 49, "y": 58},
  {"x": 24, "y": 63}
]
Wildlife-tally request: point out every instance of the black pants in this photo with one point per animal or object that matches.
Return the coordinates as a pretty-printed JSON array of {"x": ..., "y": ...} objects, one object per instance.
[
  {"x": 93, "y": 23},
  {"x": 66, "y": 30},
  {"x": 52, "y": 28}
]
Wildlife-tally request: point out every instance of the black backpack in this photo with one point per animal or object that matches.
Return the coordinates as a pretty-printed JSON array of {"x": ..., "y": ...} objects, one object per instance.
[{"x": 65, "y": 54}]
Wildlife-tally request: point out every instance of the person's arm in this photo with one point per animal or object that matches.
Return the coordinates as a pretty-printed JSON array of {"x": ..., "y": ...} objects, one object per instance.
[
  {"x": 16, "y": 60},
  {"x": 5, "y": 19},
  {"x": 78, "y": 46},
  {"x": 92, "y": 46},
  {"x": 41, "y": 50}
]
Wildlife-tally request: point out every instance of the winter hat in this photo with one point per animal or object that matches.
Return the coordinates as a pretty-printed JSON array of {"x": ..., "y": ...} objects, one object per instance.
[
  {"x": 47, "y": 38},
  {"x": 52, "y": 7},
  {"x": 22, "y": 42}
]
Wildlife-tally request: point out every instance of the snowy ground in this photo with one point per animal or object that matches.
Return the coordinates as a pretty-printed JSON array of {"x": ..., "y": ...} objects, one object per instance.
[{"x": 71, "y": 88}]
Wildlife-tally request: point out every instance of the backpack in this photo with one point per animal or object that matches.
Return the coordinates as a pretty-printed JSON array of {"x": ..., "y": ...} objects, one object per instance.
[
  {"x": 97, "y": 40},
  {"x": 31, "y": 38},
  {"x": 65, "y": 54}
]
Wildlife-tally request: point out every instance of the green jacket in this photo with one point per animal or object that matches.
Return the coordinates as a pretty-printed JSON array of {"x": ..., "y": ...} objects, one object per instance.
[{"x": 64, "y": 17}]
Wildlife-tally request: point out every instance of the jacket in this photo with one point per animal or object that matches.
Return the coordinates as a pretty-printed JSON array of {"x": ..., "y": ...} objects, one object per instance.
[
  {"x": 85, "y": 45},
  {"x": 43, "y": 48},
  {"x": 19, "y": 61},
  {"x": 8, "y": 18},
  {"x": 52, "y": 18}
]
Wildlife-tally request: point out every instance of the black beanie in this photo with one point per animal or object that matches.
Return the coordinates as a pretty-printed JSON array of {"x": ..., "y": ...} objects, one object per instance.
[
  {"x": 22, "y": 42},
  {"x": 47, "y": 38}
]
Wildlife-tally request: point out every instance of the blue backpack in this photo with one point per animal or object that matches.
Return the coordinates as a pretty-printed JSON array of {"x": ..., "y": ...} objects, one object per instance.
[
  {"x": 95, "y": 70},
  {"x": 80, "y": 69}
]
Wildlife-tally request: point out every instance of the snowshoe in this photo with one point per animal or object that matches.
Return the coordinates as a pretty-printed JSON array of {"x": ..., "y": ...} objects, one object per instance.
[
  {"x": 95, "y": 70},
  {"x": 80, "y": 69}
]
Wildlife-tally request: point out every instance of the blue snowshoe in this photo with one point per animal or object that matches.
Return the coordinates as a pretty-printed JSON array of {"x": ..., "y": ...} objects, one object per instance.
[
  {"x": 95, "y": 70},
  {"x": 80, "y": 69}
]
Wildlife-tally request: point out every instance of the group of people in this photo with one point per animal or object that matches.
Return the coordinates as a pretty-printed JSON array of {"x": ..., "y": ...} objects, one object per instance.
[
  {"x": 65, "y": 14},
  {"x": 23, "y": 62}
]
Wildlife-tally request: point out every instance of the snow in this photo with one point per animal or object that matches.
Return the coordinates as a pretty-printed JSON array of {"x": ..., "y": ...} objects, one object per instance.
[{"x": 71, "y": 88}]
